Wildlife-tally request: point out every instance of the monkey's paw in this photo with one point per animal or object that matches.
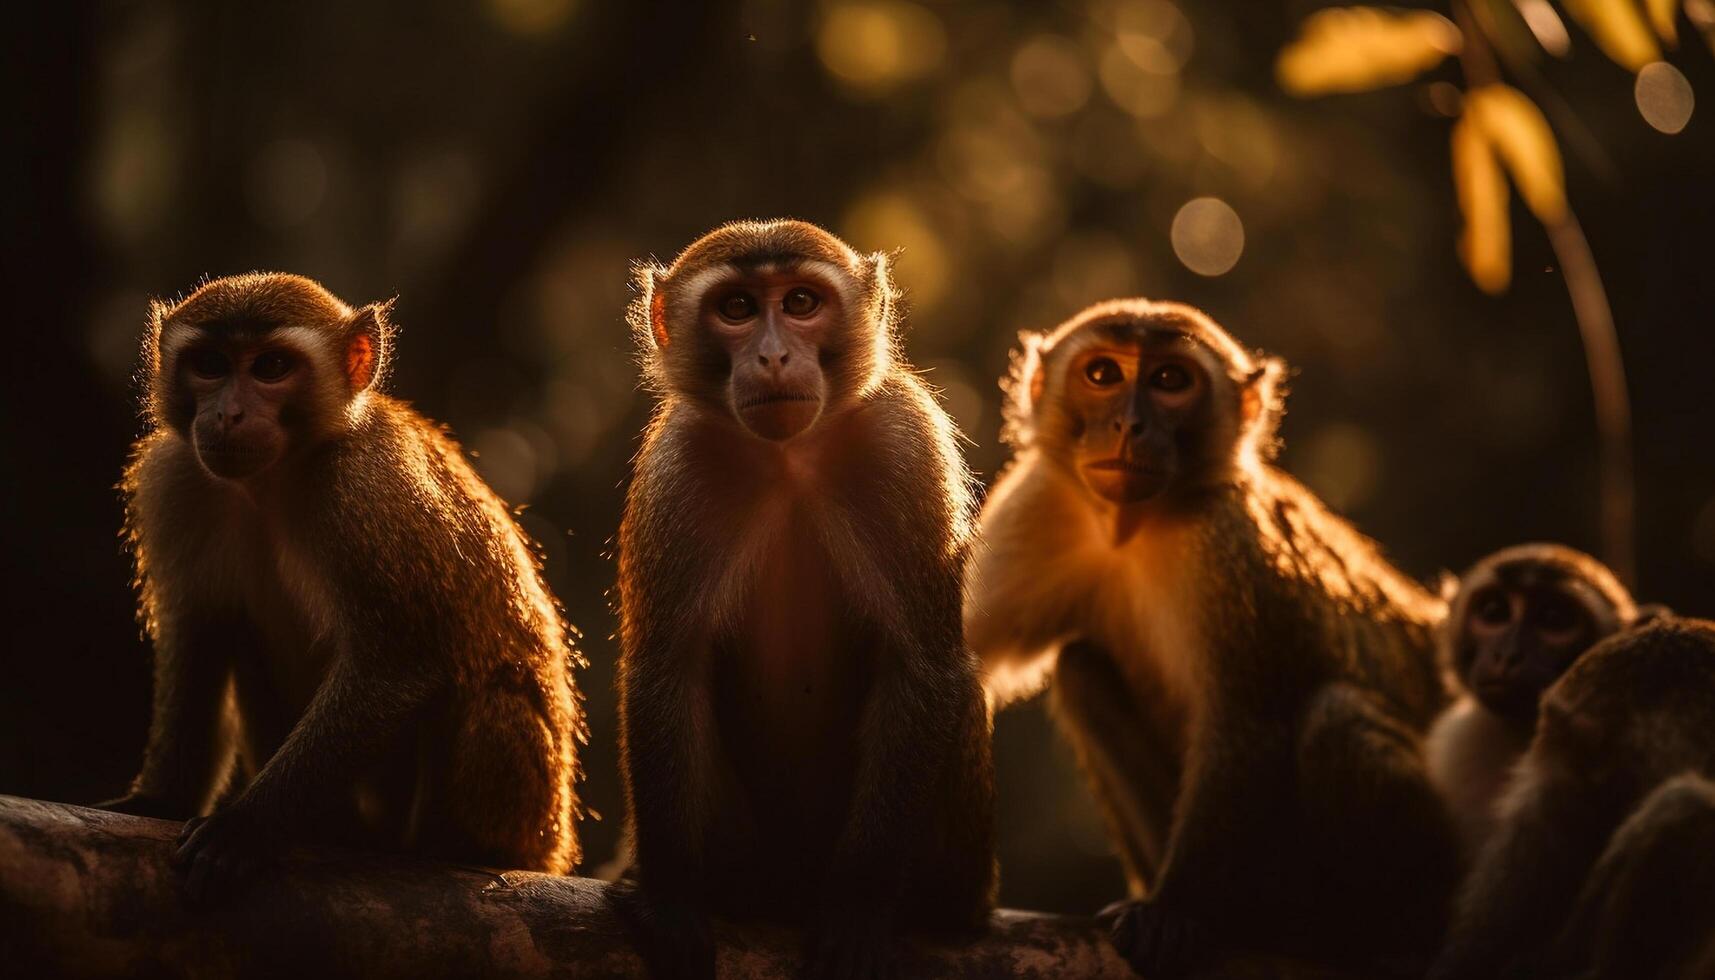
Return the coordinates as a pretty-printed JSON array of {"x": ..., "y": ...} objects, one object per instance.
[
  {"x": 852, "y": 945},
  {"x": 222, "y": 851},
  {"x": 1157, "y": 941}
]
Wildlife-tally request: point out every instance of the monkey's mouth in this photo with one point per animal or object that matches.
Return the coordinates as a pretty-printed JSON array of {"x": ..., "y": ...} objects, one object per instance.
[
  {"x": 777, "y": 398},
  {"x": 1125, "y": 465}
]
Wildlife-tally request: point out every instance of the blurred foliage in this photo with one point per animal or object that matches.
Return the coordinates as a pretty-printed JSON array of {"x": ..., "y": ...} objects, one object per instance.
[{"x": 1355, "y": 49}]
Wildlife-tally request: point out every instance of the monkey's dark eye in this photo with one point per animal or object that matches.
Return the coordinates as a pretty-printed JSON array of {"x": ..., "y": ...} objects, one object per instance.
[
  {"x": 1104, "y": 372},
  {"x": 738, "y": 306},
  {"x": 207, "y": 363},
  {"x": 271, "y": 365},
  {"x": 1170, "y": 378},
  {"x": 800, "y": 302},
  {"x": 1492, "y": 609}
]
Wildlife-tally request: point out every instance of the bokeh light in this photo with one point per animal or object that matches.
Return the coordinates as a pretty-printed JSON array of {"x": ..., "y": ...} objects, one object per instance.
[
  {"x": 874, "y": 46},
  {"x": 890, "y": 220},
  {"x": 1664, "y": 96},
  {"x": 1342, "y": 463},
  {"x": 1145, "y": 91},
  {"x": 287, "y": 182},
  {"x": 530, "y": 18},
  {"x": 1546, "y": 25},
  {"x": 1050, "y": 76},
  {"x": 1208, "y": 236}
]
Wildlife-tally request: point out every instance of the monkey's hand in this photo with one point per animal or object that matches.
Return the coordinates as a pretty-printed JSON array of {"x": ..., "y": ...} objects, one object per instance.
[
  {"x": 144, "y": 805},
  {"x": 222, "y": 851},
  {"x": 673, "y": 936},
  {"x": 852, "y": 944},
  {"x": 1157, "y": 941}
]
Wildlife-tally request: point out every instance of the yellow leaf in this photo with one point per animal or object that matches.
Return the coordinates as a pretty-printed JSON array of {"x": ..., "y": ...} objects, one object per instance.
[
  {"x": 1618, "y": 29},
  {"x": 1516, "y": 129},
  {"x": 1662, "y": 15},
  {"x": 1485, "y": 244},
  {"x": 1353, "y": 49}
]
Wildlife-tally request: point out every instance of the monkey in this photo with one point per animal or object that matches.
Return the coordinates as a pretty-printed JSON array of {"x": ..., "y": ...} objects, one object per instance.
[
  {"x": 803, "y": 733},
  {"x": 1648, "y": 907},
  {"x": 1243, "y": 676},
  {"x": 353, "y": 642},
  {"x": 1516, "y": 621},
  {"x": 1599, "y": 863}
]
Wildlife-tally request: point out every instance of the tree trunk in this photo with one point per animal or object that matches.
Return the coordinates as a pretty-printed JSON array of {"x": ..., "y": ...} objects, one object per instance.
[{"x": 88, "y": 893}]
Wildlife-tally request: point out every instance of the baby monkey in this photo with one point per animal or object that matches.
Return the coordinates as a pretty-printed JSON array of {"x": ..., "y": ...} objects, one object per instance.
[
  {"x": 1602, "y": 861},
  {"x": 338, "y": 604},
  {"x": 1517, "y": 621},
  {"x": 803, "y": 733}
]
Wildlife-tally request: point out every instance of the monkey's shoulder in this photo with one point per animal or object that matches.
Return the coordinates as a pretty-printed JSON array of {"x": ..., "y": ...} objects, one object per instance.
[{"x": 1314, "y": 550}]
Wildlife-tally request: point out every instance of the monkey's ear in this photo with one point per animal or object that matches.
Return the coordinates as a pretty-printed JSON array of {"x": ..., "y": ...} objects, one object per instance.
[
  {"x": 1650, "y": 612},
  {"x": 367, "y": 338},
  {"x": 1447, "y": 586},
  {"x": 648, "y": 313},
  {"x": 1023, "y": 386},
  {"x": 1263, "y": 396}
]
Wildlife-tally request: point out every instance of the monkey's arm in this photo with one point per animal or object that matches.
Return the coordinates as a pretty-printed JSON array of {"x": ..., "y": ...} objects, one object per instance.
[
  {"x": 191, "y": 742},
  {"x": 368, "y": 696},
  {"x": 1018, "y": 608},
  {"x": 1524, "y": 879}
]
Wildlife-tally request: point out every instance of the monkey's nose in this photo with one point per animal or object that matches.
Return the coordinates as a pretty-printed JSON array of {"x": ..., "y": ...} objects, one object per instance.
[{"x": 779, "y": 360}]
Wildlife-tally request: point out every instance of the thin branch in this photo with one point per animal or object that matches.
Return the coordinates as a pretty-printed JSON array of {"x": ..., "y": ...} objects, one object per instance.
[{"x": 1617, "y": 493}]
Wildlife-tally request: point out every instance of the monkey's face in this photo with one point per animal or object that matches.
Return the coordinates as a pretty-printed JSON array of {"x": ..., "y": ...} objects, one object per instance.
[
  {"x": 1521, "y": 626},
  {"x": 1142, "y": 413},
  {"x": 241, "y": 398},
  {"x": 776, "y": 329}
]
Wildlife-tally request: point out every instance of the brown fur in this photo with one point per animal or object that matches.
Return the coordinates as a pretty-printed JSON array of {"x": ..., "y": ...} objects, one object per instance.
[
  {"x": 363, "y": 626},
  {"x": 1244, "y": 675},
  {"x": 1604, "y": 835},
  {"x": 803, "y": 735}
]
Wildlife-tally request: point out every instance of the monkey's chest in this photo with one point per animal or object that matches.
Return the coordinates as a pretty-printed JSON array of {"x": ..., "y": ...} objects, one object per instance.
[
  {"x": 790, "y": 679},
  {"x": 293, "y": 649}
]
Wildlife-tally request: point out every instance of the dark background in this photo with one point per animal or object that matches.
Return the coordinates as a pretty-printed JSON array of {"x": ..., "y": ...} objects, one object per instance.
[{"x": 497, "y": 165}]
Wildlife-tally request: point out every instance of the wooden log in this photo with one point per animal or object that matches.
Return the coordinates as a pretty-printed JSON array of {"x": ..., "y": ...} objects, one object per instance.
[{"x": 87, "y": 893}]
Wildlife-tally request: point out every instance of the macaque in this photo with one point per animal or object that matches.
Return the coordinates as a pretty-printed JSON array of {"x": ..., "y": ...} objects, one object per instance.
[
  {"x": 1244, "y": 677},
  {"x": 803, "y": 733},
  {"x": 1516, "y": 622},
  {"x": 345, "y": 618},
  {"x": 1602, "y": 861}
]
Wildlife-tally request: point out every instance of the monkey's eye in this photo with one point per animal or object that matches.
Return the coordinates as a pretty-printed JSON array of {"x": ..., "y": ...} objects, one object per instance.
[
  {"x": 1171, "y": 378},
  {"x": 737, "y": 307},
  {"x": 1492, "y": 609},
  {"x": 271, "y": 365},
  {"x": 207, "y": 363},
  {"x": 800, "y": 302},
  {"x": 1104, "y": 372}
]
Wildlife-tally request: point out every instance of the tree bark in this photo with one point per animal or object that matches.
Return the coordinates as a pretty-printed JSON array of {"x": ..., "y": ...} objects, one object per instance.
[{"x": 88, "y": 893}]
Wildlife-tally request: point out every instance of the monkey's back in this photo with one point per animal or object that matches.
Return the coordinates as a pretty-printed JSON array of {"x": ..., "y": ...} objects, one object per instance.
[
  {"x": 500, "y": 628},
  {"x": 1322, "y": 602},
  {"x": 390, "y": 516},
  {"x": 1639, "y": 706}
]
